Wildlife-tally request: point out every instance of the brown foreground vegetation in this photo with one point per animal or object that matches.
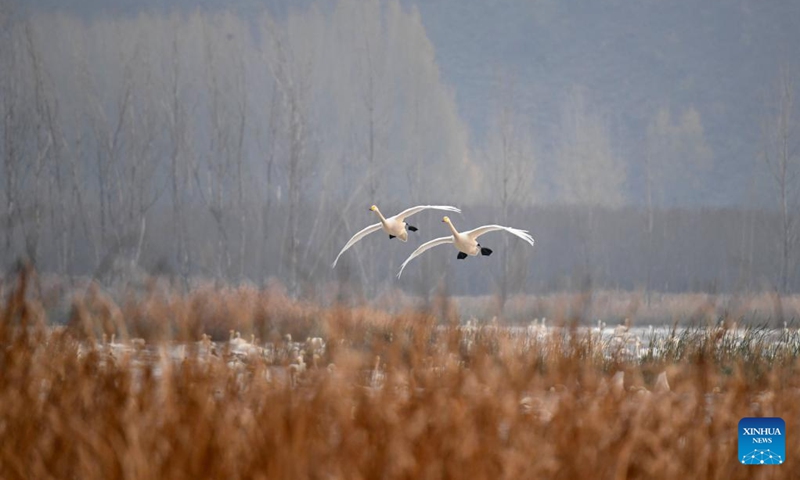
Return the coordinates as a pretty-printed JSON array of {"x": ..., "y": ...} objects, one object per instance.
[{"x": 403, "y": 395}]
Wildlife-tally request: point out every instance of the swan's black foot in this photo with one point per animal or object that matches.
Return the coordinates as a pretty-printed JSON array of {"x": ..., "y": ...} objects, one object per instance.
[
  {"x": 391, "y": 237},
  {"x": 412, "y": 228},
  {"x": 461, "y": 255},
  {"x": 485, "y": 251}
]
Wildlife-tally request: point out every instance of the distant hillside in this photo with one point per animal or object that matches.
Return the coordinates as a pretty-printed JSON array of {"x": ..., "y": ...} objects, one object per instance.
[{"x": 633, "y": 58}]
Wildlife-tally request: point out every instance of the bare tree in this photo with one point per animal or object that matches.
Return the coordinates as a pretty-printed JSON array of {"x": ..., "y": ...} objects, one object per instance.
[
  {"x": 782, "y": 159},
  {"x": 177, "y": 120},
  {"x": 676, "y": 156},
  {"x": 590, "y": 174},
  {"x": 219, "y": 172},
  {"x": 141, "y": 181},
  {"x": 9, "y": 85},
  {"x": 53, "y": 191},
  {"x": 511, "y": 167},
  {"x": 109, "y": 127},
  {"x": 363, "y": 79},
  {"x": 372, "y": 74},
  {"x": 432, "y": 273},
  {"x": 27, "y": 143},
  {"x": 268, "y": 142},
  {"x": 292, "y": 77}
]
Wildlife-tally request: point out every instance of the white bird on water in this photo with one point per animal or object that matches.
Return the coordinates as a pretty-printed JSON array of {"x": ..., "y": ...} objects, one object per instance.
[
  {"x": 465, "y": 242},
  {"x": 395, "y": 226}
]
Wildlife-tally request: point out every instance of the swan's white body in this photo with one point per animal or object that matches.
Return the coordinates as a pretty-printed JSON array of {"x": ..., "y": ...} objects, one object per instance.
[
  {"x": 465, "y": 242},
  {"x": 395, "y": 226}
]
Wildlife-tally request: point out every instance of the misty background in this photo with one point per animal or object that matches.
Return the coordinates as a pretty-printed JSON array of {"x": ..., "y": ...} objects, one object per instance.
[{"x": 645, "y": 145}]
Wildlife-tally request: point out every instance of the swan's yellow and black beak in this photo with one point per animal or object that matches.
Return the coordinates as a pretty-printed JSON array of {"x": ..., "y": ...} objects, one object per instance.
[
  {"x": 446, "y": 220},
  {"x": 373, "y": 208}
]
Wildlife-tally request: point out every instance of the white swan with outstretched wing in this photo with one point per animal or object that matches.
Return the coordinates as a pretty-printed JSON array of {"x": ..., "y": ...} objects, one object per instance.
[
  {"x": 465, "y": 242},
  {"x": 395, "y": 226}
]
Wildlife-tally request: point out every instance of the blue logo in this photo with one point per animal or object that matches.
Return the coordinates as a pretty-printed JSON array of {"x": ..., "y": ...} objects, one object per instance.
[{"x": 762, "y": 441}]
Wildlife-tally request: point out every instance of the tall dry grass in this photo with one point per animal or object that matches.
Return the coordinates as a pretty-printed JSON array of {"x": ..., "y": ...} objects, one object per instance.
[{"x": 391, "y": 396}]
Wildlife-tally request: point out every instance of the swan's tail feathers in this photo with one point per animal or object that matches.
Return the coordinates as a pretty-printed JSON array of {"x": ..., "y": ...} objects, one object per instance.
[
  {"x": 461, "y": 256},
  {"x": 486, "y": 251},
  {"x": 412, "y": 228}
]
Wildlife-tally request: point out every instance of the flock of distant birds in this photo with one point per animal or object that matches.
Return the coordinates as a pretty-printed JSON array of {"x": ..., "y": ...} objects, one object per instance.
[
  {"x": 286, "y": 364},
  {"x": 465, "y": 242}
]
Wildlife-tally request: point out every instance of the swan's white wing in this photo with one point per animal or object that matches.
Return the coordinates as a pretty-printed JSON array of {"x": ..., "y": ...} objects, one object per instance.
[
  {"x": 358, "y": 236},
  {"x": 411, "y": 211},
  {"x": 523, "y": 234},
  {"x": 421, "y": 249}
]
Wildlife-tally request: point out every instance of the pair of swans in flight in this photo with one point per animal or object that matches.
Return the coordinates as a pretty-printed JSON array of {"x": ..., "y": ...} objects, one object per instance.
[{"x": 465, "y": 242}]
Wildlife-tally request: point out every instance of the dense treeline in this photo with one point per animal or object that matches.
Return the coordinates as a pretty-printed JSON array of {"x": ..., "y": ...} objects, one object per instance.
[
  {"x": 714, "y": 250},
  {"x": 223, "y": 123},
  {"x": 249, "y": 148}
]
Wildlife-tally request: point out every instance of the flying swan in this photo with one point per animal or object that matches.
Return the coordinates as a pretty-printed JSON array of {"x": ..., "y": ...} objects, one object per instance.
[
  {"x": 466, "y": 242},
  {"x": 394, "y": 226}
]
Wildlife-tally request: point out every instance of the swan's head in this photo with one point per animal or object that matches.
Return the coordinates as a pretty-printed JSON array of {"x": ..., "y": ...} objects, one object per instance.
[
  {"x": 446, "y": 219},
  {"x": 373, "y": 208}
]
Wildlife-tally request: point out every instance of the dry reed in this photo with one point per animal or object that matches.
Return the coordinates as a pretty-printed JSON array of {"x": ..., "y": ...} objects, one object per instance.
[{"x": 391, "y": 396}]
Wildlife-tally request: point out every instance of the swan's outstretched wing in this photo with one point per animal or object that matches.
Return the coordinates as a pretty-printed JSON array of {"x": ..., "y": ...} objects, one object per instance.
[
  {"x": 421, "y": 249},
  {"x": 523, "y": 234},
  {"x": 411, "y": 211},
  {"x": 358, "y": 236}
]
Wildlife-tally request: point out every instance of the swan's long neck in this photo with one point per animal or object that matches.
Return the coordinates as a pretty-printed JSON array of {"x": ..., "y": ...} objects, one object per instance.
[
  {"x": 383, "y": 220},
  {"x": 452, "y": 228}
]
